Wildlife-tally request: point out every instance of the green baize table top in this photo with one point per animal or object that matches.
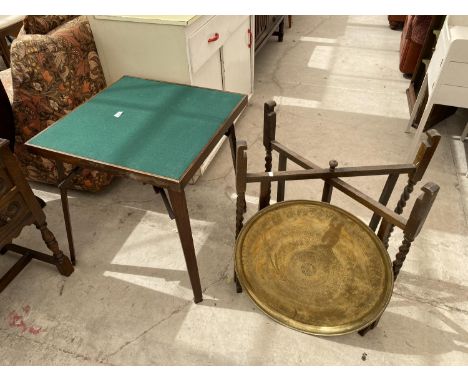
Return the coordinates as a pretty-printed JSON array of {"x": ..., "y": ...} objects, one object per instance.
[{"x": 153, "y": 127}]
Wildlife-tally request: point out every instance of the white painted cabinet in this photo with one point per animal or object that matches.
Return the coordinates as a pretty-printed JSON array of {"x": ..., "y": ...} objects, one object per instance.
[
  {"x": 446, "y": 79},
  {"x": 208, "y": 51},
  {"x": 236, "y": 62},
  {"x": 210, "y": 75}
]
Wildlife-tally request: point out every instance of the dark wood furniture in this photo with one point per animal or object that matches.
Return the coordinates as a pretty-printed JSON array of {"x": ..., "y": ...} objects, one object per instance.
[
  {"x": 9, "y": 29},
  {"x": 396, "y": 22},
  {"x": 19, "y": 208},
  {"x": 266, "y": 26},
  {"x": 383, "y": 219},
  {"x": 154, "y": 132}
]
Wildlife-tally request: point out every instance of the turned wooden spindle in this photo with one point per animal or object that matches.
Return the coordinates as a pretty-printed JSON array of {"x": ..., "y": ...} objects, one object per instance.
[
  {"x": 416, "y": 220},
  {"x": 421, "y": 161},
  {"x": 269, "y": 132},
  {"x": 62, "y": 263}
]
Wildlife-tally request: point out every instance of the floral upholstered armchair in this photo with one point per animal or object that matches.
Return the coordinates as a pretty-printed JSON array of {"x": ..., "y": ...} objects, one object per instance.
[{"x": 54, "y": 68}]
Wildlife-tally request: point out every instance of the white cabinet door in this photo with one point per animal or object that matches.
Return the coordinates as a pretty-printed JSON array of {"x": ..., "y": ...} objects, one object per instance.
[
  {"x": 210, "y": 74},
  {"x": 236, "y": 59}
]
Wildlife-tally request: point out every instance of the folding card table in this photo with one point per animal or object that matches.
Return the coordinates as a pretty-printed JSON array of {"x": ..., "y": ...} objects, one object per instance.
[{"x": 154, "y": 132}]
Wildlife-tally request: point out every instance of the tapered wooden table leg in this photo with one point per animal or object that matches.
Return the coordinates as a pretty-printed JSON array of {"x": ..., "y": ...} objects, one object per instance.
[
  {"x": 66, "y": 211},
  {"x": 179, "y": 205}
]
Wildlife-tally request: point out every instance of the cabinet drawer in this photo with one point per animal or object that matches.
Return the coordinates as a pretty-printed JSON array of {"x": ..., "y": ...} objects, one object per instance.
[
  {"x": 451, "y": 95},
  {"x": 200, "y": 50},
  {"x": 455, "y": 73}
]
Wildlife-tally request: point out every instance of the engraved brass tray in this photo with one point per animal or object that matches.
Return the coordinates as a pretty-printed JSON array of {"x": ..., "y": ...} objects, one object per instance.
[{"x": 314, "y": 267}]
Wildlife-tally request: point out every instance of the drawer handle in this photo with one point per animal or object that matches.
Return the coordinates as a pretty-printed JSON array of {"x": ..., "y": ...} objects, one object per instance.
[{"x": 214, "y": 38}]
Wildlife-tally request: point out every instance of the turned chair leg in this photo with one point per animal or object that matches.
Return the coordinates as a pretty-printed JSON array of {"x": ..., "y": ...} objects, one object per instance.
[{"x": 63, "y": 264}]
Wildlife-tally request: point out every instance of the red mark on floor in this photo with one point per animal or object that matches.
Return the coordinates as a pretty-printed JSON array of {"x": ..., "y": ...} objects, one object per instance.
[
  {"x": 16, "y": 320},
  {"x": 35, "y": 330}
]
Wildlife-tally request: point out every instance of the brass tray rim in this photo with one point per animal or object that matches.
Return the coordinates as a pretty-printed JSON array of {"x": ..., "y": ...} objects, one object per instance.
[{"x": 300, "y": 326}]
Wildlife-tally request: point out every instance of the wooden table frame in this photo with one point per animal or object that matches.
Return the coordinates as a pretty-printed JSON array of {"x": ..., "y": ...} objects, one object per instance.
[{"x": 175, "y": 188}]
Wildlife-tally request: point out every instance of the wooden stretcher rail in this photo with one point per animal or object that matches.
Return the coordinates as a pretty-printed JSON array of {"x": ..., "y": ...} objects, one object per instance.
[
  {"x": 347, "y": 189},
  {"x": 321, "y": 173}
]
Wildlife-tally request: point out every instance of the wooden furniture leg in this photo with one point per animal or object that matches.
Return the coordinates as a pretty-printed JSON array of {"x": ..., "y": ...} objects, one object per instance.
[
  {"x": 281, "y": 31},
  {"x": 282, "y": 163},
  {"x": 416, "y": 220},
  {"x": 63, "y": 265},
  {"x": 179, "y": 205},
  {"x": 269, "y": 131},
  {"x": 465, "y": 133},
  {"x": 19, "y": 207},
  {"x": 384, "y": 198},
  {"x": 167, "y": 204},
  {"x": 66, "y": 212},
  {"x": 421, "y": 161},
  {"x": 241, "y": 186}
]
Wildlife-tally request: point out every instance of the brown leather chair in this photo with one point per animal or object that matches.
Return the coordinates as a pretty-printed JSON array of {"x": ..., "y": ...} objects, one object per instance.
[
  {"x": 396, "y": 22},
  {"x": 414, "y": 33}
]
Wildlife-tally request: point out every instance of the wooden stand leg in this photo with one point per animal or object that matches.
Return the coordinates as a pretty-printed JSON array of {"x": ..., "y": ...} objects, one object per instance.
[
  {"x": 281, "y": 31},
  {"x": 282, "y": 163},
  {"x": 241, "y": 186},
  {"x": 269, "y": 132},
  {"x": 384, "y": 198},
  {"x": 167, "y": 204},
  {"x": 62, "y": 263},
  {"x": 363, "y": 332},
  {"x": 66, "y": 211},
  {"x": 465, "y": 133},
  {"x": 179, "y": 205},
  {"x": 238, "y": 284}
]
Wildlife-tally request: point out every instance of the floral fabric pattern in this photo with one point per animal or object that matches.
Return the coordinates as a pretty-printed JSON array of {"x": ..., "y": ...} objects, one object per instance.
[
  {"x": 52, "y": 74},
  {"x": 43, "y": 24},
  {"x": 5, "y": 78}
]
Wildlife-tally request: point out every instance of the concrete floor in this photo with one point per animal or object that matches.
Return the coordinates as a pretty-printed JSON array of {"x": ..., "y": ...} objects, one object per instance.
[{"x": 129, "y": 302}]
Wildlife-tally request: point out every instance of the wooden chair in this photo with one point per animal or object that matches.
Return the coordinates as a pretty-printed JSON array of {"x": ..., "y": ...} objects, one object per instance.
[
  {"x": 19, "y": 208},
  {"x": 9, "y": 29},
  {"x": 383, "y": 220}
]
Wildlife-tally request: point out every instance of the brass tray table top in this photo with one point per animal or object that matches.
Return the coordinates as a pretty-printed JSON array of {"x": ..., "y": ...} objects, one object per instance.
[{"x": 314, "y": 267}]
